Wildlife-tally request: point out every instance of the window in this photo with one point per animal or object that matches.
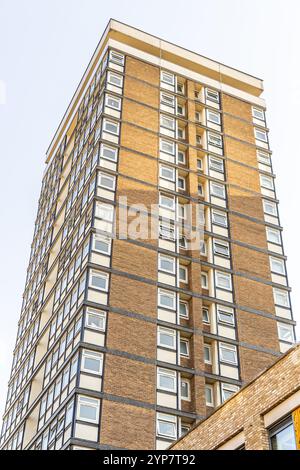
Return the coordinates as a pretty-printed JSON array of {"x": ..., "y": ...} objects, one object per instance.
[
  {"x": 166, "y": 232},
  {"x": 116, "y": 57},
  {"x": 216, "y": 164},
  {"x": 225, "y": 315},
  {"x": 111, "y": 126},
  {"x": 258, "y": 113},
  {"x": 213, "y": 117},
  {"x": 214, "y": 139},
  {"x": 183, "y": 274},
  {"x": 261, "y": 135},
  {"x": 228, "y": 353},
  {"x": 106, "y": 181},
  {"x": 209, "y": 395},
  {"x": 101, "y": 244},
  {"x": 203, "y": 247},
  {"x": 197, "y": 116},
  {"x": 166, "y": 299},
  {"x": 286, "y": 332},
  {"x": 166, "y": 338},
  {"x": 181, "y": 183},
  {"x": 223, "y": 280},
  {"x": 167, "y": 172},
  {"x": 180, "y": 88},
  {"x": 227, "y": 390},
  {"x": 204, "y": 280},
  {"x": 181, "y": 211},
  {"x": 104, "y": 211},
  {"x": 281, "y": 297},
  {"x": 184, "y": 309},
  {"x": 166, "y": 263},
  {"x": 166, "y": 426},
  {"x": 184, "y": 347},
  {"x": 115, "y": 79},
  {"x": 270, "y": 208},
  {"x": 95, "y": 320},
  {"x": 109, "y": 153},
  {"x": 207, "y": 353},
  {"x": 282, "y": 436},
  {"x": 199, "y": 164},
  {"x": 167, "y": 99},
  {"x": 167, "y": 77},
  {"x": 200, "y": 189},
  {"x": 92, "y": 362},
  {"x": 184, "y": 429},
  {"x": 181, "y": 133},
  {"x": 266, "y": 182},
  {"x": 185, "y": 391},
  {"x": 181, "y": 157},
  {"x": 166, "y": 380},
  {"x": 198, "y": 139},
  {"x": 99, "y": 280},
  {"x": 167, "y": 146},
  {"x": 205, "y": 315},
  {"x": 88, "y": 409},
  {"x": 212, "y": 95},
  {"x": 167, "y": 122},
  {"x": 219, "y": 218},
  {"x": 263, "y": 157},
  {"x": 277, "y": 266},
  {"x": 273, "y": 236},
  {"x": 113, "y": 102},
  {"x": 221, "y": 248},
  {"x": 218, "y": 190},
  {"x": 180, "y": 110},
  {"x": 166, "y": 202}
]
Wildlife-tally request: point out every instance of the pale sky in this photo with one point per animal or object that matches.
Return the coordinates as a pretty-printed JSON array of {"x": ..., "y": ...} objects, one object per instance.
[{"x": 45, "y": 47}]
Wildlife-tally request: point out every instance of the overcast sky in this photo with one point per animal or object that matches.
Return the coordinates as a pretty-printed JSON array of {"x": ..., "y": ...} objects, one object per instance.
[{"x": 45, "y": 47}]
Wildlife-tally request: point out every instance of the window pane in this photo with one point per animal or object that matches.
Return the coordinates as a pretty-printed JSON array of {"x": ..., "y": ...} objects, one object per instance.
[{"x": 284, "y": 439}]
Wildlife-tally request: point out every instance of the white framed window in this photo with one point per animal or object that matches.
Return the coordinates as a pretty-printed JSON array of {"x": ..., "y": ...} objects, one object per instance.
[
  {"x": 166, "y": 337},
  {"x": 167, "y": 299},
  {"x": 197, "y": 116},
  {"x": 198, "y": 139},
  {"x": 225, "y": 315},
  {"x": 228, "y": 353},
  {"x": 212, "y": 95},
  {"x": 183, "y": 309},
  {"x": 277, "y": 266},
  {"x": 181, "y": 208},
  {"x": 113, "y": 102},
  {"x": 216, "y": 164},
  {"x": 273, "y": 236},
  {"x": 181, "y": 183},
  {"x": 115, "y": 79},
  {"x": 112, "y": 127},
  {"x": 281, "y": 297},
  {"x": 180, "y": 110},
  {"x": 182, "y": 242},
  {"x": 213, "y": 117},
  {"x": 185, "y": 389},
  {"x": 218, "y": 190},
  {"x": 109, "y": 153},
  {"x": 214, "y": 139},
  {"x": 209, "y": 395},
  {"x": 101, "y": 244},
  {"x": 205, "y": 315},
  {"x": 166, "y": 380},
  {"x": 286, "y": 332},
  {"x": 183, "y": 274},
  {"x": 99, "y": 280},
  {"x": 95, "y": 319},
  {"x": 184, "y": 347},
  {"x": 167, "y": 172},
  {"x": 266, "y": 182},
  {"x": 180, "y": 88},
  {"x": 166, "y": 426},
  {"x": 167, "y": 146},
  {"x": 227, "y": 390},
  {"x": 181, "y": 157},
  {"x": 270, "y": 208},
  {"x": 104, "y": 211},
  {"x": 166, "y": 232},
  {"x": 204, "y": 280},
  {"x": 203, "y": 247},
  {"x": 167, "y": 77},
  {"x": 219, "y": 218},
  {"x": 199, "y": 164},
  {"x": 92, "y": 362},
  {"x": 167, "y": 122},
  {"x": 116, "y": 57},
  {"x": 107, "y": 181},
  {"x": 200, "y": 189},
  {"x": 167, "y": 99},
  {"x": 207, "y": 353},
  {"x": 221, "y": 248},
  {"x": 258, "y": 113},
  {"x": 88, "y": 409},
  {"x": 223, "y": 280},
  {"x": 263, "y": 157},
  {"x": 181, "y": 133},
  {"x": 166, "y": 263},
  {"x": 261, "y": 135},
  {"x": 167, "y": 202}
]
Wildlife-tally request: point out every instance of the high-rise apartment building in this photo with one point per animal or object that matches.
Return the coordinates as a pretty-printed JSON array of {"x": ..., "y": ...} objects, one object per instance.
[{"x": 126, "y": 340}]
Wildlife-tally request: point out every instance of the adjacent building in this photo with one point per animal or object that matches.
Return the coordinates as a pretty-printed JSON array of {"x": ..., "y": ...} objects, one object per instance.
[{"x": 129, "y": 337}]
